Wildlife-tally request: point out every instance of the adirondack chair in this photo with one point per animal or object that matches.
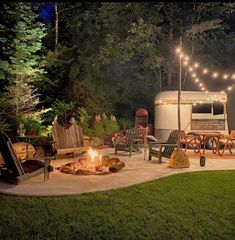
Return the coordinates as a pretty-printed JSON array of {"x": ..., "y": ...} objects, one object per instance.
[
  {"x": 13, "y": 170},
  {"x": 68, "y": 140},
  {"x": 160, "y": 150},
  {"x": 130, "y": 143}
]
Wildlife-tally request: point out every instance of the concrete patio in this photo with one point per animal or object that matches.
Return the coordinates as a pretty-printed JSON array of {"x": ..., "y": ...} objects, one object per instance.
[{"x": 137, "y": 170}]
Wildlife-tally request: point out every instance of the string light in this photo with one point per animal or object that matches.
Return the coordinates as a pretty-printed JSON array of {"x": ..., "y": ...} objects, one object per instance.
[
  {"x": 196, "y": 65},
  {"x": 178, "y": 50},
  {"x": 215, "y": 75},
  {"x": 225, "y": 76}
]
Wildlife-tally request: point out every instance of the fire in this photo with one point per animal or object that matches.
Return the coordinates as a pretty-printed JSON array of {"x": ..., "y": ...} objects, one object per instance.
[{"x": 92, "y": 154}]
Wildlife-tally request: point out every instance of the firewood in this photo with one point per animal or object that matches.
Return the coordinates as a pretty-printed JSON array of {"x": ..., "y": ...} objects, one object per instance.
[{"x": 117, "y": 167}]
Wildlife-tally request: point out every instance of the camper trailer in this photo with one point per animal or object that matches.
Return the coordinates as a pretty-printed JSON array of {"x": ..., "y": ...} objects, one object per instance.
[{"x": 199, "y": 111}]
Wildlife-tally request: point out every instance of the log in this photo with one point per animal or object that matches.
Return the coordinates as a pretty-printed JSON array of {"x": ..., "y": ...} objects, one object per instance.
[{"x": 117, "y": 167}]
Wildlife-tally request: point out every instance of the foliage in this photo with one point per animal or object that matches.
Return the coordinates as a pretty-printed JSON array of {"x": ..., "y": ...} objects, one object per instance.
[
  {"x": 62, "y": 111},
  {"x": 105, "y": 126},
  {"x": 125, "y": 123},
  {"x": 182, "y": 206},
  {"x": 22, "y": 61}
]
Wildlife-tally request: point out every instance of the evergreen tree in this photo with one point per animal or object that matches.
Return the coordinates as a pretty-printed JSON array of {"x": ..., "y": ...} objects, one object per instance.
[{"x": 21, "y": 61}]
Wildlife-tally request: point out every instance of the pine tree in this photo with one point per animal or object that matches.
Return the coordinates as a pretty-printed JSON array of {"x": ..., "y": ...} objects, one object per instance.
[{"x": 22, "y": 61}]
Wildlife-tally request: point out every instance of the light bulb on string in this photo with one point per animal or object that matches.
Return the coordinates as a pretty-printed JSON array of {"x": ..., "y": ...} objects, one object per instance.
[
  {"x": 196, "y": 80},
  {"x": 185, "y": 63},
  {"x": 196, "y": 65},
  {"x": 201, "y": 85},
  {"x": 181, "y": 55},
  {"x": 203, "y": 89},
  {"x": 233, "y": 76},
  {"x": 178, "y": 50},
  {"x": 215, "y": 75},
  {"x": 205, "y": 71},
  {"x": 229, "y": 88},
  {"x": 186, "y": 58},
  {"x": 194, "y": 75},
  {"x": 190, "y": 69},
  {"x": 225, "y": 76}
]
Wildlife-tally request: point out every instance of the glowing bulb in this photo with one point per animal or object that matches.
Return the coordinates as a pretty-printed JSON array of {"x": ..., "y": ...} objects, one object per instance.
[
  {"x": 196, "y": 65},
  {"x": 190, "y": 69},
  {"x": 185, "y": 63},
  {"x": 181, "y": 55},
  {"x": 229, "y": 88},
  {"x": 233, "y": 76},
  {"x": 178, "y": 50},
  {"x": 203, "y": 88},
  {"x": 205, "y": 71},
  {"x": 194, "y": 75},
  {"x": 186, "y": 58},
  {"x": 225, "y": 76},
  {"x": 196, "y": 80},
  {"x": 201, "y": 85},
  {"x": 215, "y": 75},
  {"x": 222, "y": 92}
]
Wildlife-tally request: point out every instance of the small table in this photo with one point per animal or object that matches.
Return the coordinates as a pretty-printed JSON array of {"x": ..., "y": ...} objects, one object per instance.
[{"x": 215, "y": 136}]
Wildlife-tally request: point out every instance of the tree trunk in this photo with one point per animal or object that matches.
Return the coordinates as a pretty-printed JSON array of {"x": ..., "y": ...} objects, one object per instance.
[
  {"x": 169, "y": 74},
  {"x": 56, "y": 24},
  {"x": 179, "y": 91}
]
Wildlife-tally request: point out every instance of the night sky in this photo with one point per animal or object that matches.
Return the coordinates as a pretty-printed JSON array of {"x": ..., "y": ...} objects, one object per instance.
[{"x": 45, "y": 11}]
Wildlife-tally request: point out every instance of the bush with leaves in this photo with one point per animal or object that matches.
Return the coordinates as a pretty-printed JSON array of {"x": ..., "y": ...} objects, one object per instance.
[{"x": 105, "y": 126}]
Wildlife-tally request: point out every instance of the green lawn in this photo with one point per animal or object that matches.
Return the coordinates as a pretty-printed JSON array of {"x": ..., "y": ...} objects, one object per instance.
[{"x": 198, "y": 205}]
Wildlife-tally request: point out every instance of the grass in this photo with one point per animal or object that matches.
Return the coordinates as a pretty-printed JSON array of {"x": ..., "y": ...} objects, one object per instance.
[{"x": 199, "y": 205}]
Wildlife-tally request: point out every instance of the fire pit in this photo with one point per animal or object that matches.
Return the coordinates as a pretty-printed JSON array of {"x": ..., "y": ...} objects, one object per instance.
[{"x": 93, "y": 164}]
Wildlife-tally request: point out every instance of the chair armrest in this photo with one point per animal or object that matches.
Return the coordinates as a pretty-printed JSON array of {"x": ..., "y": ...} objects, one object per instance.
[
  {"x": 164, "y": 145},
  {"x": 157, "y": 143}
]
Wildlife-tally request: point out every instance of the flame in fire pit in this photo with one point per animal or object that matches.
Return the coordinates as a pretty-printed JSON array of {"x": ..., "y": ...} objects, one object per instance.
[{"x": 92, "y": 154}]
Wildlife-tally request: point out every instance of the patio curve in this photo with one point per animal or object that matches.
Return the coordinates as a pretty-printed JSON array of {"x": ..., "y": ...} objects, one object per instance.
[{"x": 137, "y": 170}]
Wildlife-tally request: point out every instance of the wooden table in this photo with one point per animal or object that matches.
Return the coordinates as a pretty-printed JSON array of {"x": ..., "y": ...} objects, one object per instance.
[{"x": 215, "y": 136}]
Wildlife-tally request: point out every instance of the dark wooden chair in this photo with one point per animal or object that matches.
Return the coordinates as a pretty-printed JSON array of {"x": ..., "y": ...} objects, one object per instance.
[
  {"x": 160, "y": 150},
  {"x": 13, "y": 171},
  {"x": 131, "y": 142}
]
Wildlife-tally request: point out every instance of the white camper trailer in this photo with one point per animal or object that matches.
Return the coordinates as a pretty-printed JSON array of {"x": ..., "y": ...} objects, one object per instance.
[{"x": 200, "y": 111}]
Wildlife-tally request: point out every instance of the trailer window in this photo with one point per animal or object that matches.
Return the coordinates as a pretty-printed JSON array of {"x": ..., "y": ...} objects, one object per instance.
[
  {"x": 218, "y": 108},
  {"x": 201, "y": 108}
]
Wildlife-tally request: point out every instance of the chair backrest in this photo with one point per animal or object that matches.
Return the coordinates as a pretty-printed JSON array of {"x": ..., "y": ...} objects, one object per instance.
[
  {"x": 11, "y": 162},
  {"x": 133, "y": 133},
  {"x": 71, "y": 137},
  {"x": 172, "y": 139}
]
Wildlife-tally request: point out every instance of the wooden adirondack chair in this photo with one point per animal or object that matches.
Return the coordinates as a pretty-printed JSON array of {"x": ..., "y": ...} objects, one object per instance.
[
  {"x": 13, "y": 170},
  {"x": 160, "y": 150},
  {"x": 130, "y": 143},
  {"x": 68, "y": 140}
]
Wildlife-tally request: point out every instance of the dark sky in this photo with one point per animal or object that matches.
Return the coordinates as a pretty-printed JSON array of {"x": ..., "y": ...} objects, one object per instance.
[{"x": 45, "y": 11}]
